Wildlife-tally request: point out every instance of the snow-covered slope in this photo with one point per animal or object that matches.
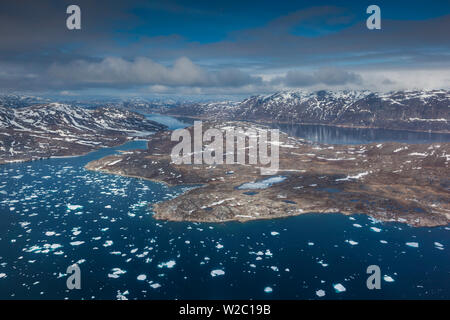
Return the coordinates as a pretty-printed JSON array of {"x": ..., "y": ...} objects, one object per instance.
[
  {"x": 56, "y": 116},
  {"x": 58, "y": 129},
  {"x": 411, "y": 110}
]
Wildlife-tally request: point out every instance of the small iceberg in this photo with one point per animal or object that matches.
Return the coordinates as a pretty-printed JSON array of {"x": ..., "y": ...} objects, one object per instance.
[
  {"x": 412, "y": 244},
  {"x": 141, "y": 277},
  {"x": 268, "y": 289},
  {"x": 217, "y": 272},
  {"x": 169, "y": 264},
  {"x": 439, "y": 246},
  {"x": 74, "y": 207},
  {"x": 320, "y": 293},
  {"x": 339, "y": 288}
]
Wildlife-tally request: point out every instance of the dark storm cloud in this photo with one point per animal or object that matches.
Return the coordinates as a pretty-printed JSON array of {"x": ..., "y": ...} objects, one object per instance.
[{"x": 329, "y": 76}]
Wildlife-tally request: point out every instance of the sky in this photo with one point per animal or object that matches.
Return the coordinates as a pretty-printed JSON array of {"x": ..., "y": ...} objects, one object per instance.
[{"x": 221, "y": 48}]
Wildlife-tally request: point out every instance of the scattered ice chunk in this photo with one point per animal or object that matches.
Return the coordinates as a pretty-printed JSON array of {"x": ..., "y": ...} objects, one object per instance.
[
  {"x": 388, "y": 278},
  {"x": 320, "y": 293},
  {"x": 169, "y": 264},
  {"x": 268, "y": 289},
  {"x": 141, "y": 277},
  {"x": 412, "y": 244},
  {"x": 217, "y": 272},
  {"x": 74, "y": 207},
  {"x": 339, "y": 288},
  {"x": 439, "y": 246},
  {"x": 76, "y": 243},
  {"x": 116, "y": 272},
  {"x": 108, "y": 243}
]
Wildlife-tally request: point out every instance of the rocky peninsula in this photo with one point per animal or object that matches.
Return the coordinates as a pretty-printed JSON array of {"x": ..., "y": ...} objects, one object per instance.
[{"x": 389, "y": 181}]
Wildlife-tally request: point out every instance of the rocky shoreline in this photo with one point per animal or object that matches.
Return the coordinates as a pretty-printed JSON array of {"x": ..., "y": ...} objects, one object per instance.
[{"x": 390, "y": 181}]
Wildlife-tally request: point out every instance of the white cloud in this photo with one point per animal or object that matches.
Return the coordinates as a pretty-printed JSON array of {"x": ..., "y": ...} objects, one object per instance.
[{"x": 114, "y": 71}]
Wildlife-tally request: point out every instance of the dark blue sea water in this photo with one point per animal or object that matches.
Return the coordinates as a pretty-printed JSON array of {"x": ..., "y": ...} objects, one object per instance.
[{"x": 54, "y": 213}]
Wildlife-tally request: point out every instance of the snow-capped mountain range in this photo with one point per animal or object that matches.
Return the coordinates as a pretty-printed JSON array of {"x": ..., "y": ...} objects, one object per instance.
[
  {"x": 408, "y": 110},
  {"x": 19, "y": 101},
  {"x": 58, "y": 129},
  {"x": 53, "y": 117}
]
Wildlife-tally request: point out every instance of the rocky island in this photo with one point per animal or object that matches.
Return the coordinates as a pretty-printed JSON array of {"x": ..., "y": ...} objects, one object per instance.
[{"x": 389, "y": 181}]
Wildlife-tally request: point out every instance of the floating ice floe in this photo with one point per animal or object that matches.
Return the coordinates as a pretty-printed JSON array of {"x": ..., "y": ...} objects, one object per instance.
[
  {"x": 74, "y": 206},
  {"x": 108, "y": 243},
  {"x": 339, "y": 288},
  {"x": 412, "y": 244},
  {"x": 141, "y": 277},
  {"x": 2, "y": 275},
  {"x": 116, "y": 272},
  {"x": 169, "y": 264},
  {"x": 353, "y": 243},
  {"x": 439, "y": 246},
  {"x": 274, "y": 233},
  {"x": 76, "y": 243},
  {"x": 122, "y": 296},
  {"x": 375, "y": 229},
  {"x": 320, "y": 293},
  {"x": 323, "y": 264},
  {"x": 268, "y": 289},
  {"x": 217, "y": 272},
  {"x": 46, "y": 248},
  {"x": 155, "y": 285},
  {"x": 388, "y": 278}
]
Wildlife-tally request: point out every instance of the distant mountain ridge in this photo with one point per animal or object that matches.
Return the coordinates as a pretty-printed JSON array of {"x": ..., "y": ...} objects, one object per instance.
[
  {"x": 406, "y": 110},
  {"x": 19, "y": 101}
]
